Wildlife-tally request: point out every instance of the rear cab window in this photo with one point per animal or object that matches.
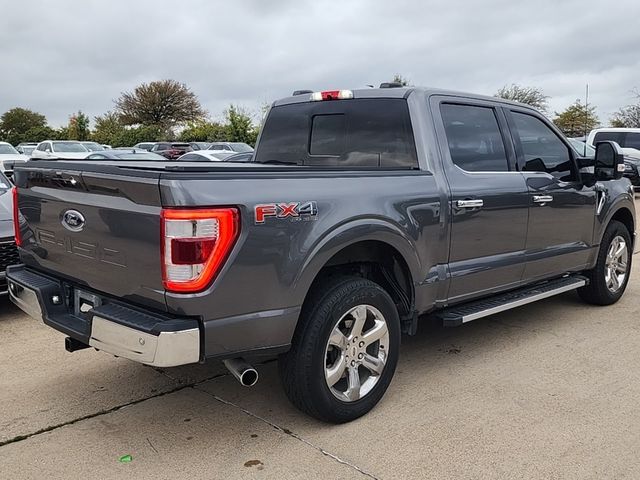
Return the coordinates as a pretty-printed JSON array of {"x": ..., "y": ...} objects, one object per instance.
[{"x": 368, "y": 132}]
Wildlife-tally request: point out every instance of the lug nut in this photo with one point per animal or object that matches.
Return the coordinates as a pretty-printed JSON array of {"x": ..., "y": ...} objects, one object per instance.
[
  {"x": 353, "y": 363},
  {"x": 361, "y": 344},
  {"x": 360, "y": 356}
]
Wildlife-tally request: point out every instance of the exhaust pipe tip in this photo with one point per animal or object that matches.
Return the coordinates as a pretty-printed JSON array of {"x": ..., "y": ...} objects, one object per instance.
[
  {"x": 249, "y": 377},
  {"x": 244, "y": 373}
]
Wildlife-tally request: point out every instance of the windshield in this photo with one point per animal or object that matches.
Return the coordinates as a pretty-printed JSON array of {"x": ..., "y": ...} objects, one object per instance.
[
  {"x": 6, "y": 149},
  {"x": 28, "y": 150},
  {"x": 5, "y": 184},
  {"x": 582, "y": 148},
  {"x": 241, "y": 147},
  {"x": 68, "y": 147},
  {"x": 93, "y": 146},
  {"x": 623, "y": 138}
]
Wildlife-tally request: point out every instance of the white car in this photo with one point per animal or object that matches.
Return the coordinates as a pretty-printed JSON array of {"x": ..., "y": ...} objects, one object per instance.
[
  {"x": 93, "y": 146},
  {"x": 627, "y": 138},
  {"x": 60, "y": 150},
  {"x": 8, "y": 157},
  {"x": 205, "y": 156},
  {"x": 237, "y": 147}
]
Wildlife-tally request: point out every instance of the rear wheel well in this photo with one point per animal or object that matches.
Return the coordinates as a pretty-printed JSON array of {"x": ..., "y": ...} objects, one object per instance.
[
  {"x": 625, "y": 217},
  {"x": 381, "y": 263}
]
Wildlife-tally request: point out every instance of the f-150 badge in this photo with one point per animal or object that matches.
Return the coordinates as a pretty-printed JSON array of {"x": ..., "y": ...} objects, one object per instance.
[{"x": 295, "y": 211}]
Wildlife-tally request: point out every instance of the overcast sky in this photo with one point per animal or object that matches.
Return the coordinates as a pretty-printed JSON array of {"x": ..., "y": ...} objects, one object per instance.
[{"x": 61, "y": 56}]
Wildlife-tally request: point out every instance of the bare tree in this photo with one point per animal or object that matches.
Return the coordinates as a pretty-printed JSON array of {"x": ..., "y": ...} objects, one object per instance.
[{"x": 529, "y": 95}]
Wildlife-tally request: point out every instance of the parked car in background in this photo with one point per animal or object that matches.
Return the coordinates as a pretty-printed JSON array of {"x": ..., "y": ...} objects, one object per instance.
[
  {"x": 127, "y": 154},
  {"x": 205, "y": 156},
  {"x": 8, "y": 157},
  {"x": 171, "y": 150},
  {"x": 200, "y": 145},
  {"x": 631, "y": 162},
  {"x": 26, "y": 148},
  {"x": 231, "y": 146},
  {"x": 582, "y": 148},
  {"x": 59, "y": 150},
  {"x": 627, "y": 138},
  {"x": 8, "y": 249},
  {"x": 93, "y": 146},
  {"x": 240, "y": 157},
  {"x": 143, "y": 145}
]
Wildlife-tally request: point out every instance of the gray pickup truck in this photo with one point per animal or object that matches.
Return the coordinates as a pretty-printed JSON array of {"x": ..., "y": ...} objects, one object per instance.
[{"x": 361, "y": 211}]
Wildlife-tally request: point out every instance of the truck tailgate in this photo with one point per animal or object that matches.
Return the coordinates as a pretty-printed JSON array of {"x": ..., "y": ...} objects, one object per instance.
[{"x": 99, "y": 229}]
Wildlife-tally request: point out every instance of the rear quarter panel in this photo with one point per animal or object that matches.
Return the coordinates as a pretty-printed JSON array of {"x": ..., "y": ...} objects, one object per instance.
[{"x": 273, "y": 263}]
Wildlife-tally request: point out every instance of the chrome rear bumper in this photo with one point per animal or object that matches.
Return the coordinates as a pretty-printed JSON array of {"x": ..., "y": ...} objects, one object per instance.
[{"x": 176, "y": 346}]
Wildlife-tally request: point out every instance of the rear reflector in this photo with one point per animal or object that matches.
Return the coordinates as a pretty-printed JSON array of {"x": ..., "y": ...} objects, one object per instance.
[
  {"x": 195, "y": 244},
  {"x": 331, "y": 95},
  {"x": 16, "y": 217}
]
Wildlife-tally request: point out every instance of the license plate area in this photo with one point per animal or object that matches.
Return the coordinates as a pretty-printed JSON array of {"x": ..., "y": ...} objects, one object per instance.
[{"x": 84, "y": 302}]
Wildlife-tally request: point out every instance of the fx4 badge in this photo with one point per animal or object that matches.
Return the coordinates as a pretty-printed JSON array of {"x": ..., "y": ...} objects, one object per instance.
[{"x": 295, "y": 211}]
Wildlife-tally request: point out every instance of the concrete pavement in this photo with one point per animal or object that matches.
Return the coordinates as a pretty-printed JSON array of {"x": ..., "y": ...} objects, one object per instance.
[{"x": 549, "y": 390}]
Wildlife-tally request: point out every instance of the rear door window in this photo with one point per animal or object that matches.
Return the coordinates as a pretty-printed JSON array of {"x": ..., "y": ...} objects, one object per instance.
[
  {"x": 350, "y": 133},
  {"x": 474, "y": 138}
]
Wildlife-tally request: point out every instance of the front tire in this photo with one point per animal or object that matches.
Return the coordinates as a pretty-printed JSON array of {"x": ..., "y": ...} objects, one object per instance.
[
  {"x": 608, "y": 279},
  {"x": 344, "y": 353}
]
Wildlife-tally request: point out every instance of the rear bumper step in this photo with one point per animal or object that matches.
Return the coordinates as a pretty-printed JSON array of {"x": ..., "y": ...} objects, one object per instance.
[
  {"x": 111, "y": 327},
  {"x": 459, "y": 314}
]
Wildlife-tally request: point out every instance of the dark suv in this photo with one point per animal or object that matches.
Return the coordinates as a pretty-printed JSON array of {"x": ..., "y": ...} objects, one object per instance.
[{"x": 171, "y": 150}]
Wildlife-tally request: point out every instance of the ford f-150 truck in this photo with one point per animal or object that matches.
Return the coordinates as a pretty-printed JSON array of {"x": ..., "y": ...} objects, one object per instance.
[{"x": 360, "y": 212}]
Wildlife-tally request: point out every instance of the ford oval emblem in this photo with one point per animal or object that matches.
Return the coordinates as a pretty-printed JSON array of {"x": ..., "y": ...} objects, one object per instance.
[{"x": 73, "y": 220}]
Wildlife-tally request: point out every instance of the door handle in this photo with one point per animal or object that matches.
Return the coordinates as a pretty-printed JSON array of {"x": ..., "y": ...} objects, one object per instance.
[
  {"x": 469, "y": 203},
  {"x": 542, "y": 198}
]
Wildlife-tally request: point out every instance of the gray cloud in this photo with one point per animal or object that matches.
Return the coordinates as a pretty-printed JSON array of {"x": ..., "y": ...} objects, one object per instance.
[{"x": 58, "y": 57}]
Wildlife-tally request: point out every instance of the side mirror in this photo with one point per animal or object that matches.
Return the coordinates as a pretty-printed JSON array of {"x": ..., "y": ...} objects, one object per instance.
[{"x": 609, "y": 161}]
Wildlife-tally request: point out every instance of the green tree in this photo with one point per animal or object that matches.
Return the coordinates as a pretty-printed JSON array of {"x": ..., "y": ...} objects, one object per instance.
[
  {"x": 577, "y": 119},
  {"x": 107, "y": 128},
  {"x": 15, "y": 123},
  {"x": 204, "y": 131},
  {"x": 39, "y": 134},
  {"x": 239, "y": 126},
  {"x": 129, "y": 136},
  {"x": 529, "y": 95},
  {"x": 164, "y": 104},
  {"x": 78, "y": 127}
]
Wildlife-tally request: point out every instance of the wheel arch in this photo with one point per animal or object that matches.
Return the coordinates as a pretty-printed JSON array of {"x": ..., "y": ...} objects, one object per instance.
[{"x": 370, "y": 249}]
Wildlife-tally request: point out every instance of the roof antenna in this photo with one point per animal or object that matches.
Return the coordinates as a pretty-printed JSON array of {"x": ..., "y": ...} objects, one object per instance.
[{"x": 586, "y": 118}]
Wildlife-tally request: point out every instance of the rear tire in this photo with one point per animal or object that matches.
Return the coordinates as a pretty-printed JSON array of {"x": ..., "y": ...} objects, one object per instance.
[
  {"x": 609, "y": 278},
  {"x": 344, "y": 352}
]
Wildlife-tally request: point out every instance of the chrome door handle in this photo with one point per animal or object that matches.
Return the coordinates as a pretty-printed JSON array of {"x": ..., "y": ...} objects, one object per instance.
[
  {"x": 542, "y": 198},
  {"x": 469, "y": 203}
]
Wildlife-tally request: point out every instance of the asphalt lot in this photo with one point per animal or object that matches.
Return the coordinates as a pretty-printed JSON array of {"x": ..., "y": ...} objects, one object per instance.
[{"x": 549, "y": 390}]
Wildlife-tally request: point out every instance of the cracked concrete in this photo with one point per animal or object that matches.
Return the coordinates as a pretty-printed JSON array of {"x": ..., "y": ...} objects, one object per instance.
[{"x": 545, "y": 391}]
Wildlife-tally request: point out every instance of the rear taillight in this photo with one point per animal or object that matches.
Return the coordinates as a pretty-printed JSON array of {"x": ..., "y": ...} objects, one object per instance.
[
  {"x": 195, "y": 244},
  {"x": 16, "y": 217}
]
